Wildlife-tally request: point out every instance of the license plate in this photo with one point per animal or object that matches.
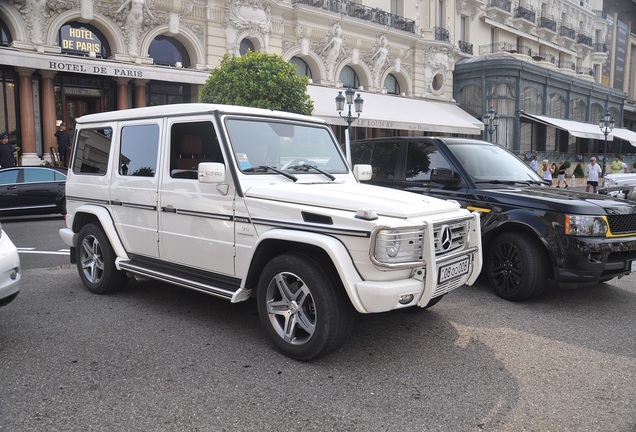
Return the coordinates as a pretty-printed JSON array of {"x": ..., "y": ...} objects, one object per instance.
[
  {"x": 457, "y": 269},
  {"x": 634, "y": 266}
]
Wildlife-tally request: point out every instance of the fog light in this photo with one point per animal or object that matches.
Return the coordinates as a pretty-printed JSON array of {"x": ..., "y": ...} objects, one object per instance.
[
  {"x": 406, "y": 299},
  {"x": 14, "y": 273}
]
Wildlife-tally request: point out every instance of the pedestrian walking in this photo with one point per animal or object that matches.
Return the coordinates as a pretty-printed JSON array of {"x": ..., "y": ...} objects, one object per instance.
[
  {"x": 534, "y": 164},
  {"x": 561, "y": 174},
  {"x": 548, "y": 170},
  {"x": 63, "y": 143},
  {"x": 593, "y": 171},
  {"x": 7, "y": 159}
]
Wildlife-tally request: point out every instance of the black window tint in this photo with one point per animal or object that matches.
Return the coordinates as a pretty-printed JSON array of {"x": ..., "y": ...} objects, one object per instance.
[
  {"x": 93, "y": 149},
  {"x": 9, "y": 177},
  {"x": 421, "y": 159},
  {"x": 34, "y": 175},
  {"x": 138, "y": 153},
  {"x": 381, "y": 156}
]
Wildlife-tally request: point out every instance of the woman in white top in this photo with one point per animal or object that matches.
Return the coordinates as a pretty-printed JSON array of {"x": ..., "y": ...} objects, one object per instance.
[{"x": 548, "y": 170}]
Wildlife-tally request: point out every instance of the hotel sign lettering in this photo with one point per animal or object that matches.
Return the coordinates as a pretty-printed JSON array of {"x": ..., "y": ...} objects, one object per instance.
[
  {"x": 95, "y": 70},
  {"x": 79, "y": 39}
]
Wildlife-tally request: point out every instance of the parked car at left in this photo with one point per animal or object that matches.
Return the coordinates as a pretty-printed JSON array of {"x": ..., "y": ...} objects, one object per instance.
[
  {"x": 32, "y": 190},
  {"x": 9, "y": 269}
]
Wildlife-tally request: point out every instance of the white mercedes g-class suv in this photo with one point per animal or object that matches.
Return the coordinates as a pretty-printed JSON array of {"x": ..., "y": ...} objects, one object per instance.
[{"x": 239, "y": 202}]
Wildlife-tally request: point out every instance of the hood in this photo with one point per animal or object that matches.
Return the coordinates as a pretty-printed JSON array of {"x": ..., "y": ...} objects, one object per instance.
[
  {"x": 561, "y": 200},
  {"x": 352, "y": 197}
]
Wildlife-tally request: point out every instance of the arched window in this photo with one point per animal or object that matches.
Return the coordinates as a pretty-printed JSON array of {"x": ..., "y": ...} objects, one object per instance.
[
  {"x": 302, "y": 68},
  {"x": 349, "y": 77},
  {"x": 392, "y": 85},
  {"x": 531, "y": 101},
  {"x": 167, "y": 51},
  {"x": 596, "y": 112},
  {"x": 5, "y": 35},
  {"x": 578, "y": 110},
  {"x": 556, "y": 106},
  {"x": 470, "y": 99},
  {"x": 81, "y": 39},
  {"x": 246, "y": 44}
]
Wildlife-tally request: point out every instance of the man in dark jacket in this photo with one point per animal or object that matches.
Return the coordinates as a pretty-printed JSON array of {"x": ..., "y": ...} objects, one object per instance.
[
  {"x": 7, "y": 159},
  {"x": 63, "y": 142}
]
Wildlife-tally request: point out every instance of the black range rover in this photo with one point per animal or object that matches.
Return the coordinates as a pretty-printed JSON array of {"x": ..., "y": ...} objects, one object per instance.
[{"x": 533, "y": 234}]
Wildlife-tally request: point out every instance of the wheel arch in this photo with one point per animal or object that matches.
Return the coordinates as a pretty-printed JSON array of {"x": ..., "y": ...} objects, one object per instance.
[
  {"x": 100, "y": 216},
  {"x": 327, "y": 251}
]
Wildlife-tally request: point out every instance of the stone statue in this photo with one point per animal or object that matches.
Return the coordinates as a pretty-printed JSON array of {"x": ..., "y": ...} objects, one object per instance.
[
  {"x": 134, "y": 23},
  {"x": 378, "y": 60},
  {"x": 334, "y": 48}
]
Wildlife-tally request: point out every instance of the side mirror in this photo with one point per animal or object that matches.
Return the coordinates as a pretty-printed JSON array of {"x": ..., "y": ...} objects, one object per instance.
[
  {"x": 211, "y": 172},
  {"x": 444, "y": 176},
  {"x": 363, "y": 172}
]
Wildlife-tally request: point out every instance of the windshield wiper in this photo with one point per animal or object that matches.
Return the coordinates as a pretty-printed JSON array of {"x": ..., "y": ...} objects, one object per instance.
[
  {"x": 265, "y": 168},
  {"x": 510, "y": 182},
  {"x": 307, "y": 167}
]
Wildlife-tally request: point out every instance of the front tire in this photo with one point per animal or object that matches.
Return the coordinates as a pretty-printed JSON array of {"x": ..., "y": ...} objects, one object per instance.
[
  {"x": 96, "y": 262},
  {"x": 517, "y": 267},
  {"x": 304, "y": 312}
]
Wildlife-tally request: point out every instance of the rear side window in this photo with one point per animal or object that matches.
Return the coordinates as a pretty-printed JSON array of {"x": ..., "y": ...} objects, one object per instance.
[
  {"x": 139, "y": 148},
  {"x": 421, "y": 159},
  {"x": 382, "y": 157},
  {"x": 9, "y": 177},
  {"x": 34, "y": 175},
  {"x": 92, "y": 152}
]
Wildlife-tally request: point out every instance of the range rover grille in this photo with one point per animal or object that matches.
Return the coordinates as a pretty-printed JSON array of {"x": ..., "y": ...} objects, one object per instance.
[
  {"x": 622, "y": 224},
  {"x": 450, "y": 237}
]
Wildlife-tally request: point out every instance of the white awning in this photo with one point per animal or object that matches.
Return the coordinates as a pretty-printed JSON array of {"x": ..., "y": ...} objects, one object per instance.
[
  {"x": 624, "y": 134},
  {"x": 577, "y": 129},
  {"x": 396, "y": 112}
]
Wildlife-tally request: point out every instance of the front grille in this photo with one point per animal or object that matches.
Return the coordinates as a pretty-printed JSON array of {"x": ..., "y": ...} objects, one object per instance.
[
  {"x": 458, "y": 232},
  {"x": 622, "y": 224}
]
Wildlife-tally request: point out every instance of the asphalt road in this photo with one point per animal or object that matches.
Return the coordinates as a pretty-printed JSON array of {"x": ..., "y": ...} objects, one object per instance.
[{"x": 156, "y": 357}]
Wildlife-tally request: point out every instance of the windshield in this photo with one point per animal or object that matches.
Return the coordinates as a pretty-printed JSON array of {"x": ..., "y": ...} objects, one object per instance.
[
  {"x": 289, "y": 147},
  {"x": 491, "y": 163}
]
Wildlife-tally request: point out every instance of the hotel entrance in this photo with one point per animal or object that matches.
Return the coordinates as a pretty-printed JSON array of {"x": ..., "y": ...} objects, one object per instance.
[
  {"x": 78, "y": 106},
  {"x": 77, "y": 95}
]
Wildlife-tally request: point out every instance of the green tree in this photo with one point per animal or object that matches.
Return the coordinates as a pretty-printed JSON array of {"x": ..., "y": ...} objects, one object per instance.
[{"x": 258, "y": 80}]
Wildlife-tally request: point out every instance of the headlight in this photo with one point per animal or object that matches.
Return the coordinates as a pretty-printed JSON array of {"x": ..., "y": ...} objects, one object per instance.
[
  {"x": 609, "y": 182},
  {"x": 585, "y": 225},
  {"x": 395, "y": 247}
]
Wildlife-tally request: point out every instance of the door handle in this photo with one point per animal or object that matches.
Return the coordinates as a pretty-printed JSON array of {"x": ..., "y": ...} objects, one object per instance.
[{"x": 169, "y": 209}]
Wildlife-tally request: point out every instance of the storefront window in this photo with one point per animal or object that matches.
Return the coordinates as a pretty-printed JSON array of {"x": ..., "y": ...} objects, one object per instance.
[
  {"x": 578, "y": 110},
  {"x": 82, "y": 40},
  {"x": 167, "y": 51},
  {"x": 470, "y": 99},
  {"x": 556, "y": 106},
  {"x": 160, "y": 93},
  {"x": 531, "y": 101}
]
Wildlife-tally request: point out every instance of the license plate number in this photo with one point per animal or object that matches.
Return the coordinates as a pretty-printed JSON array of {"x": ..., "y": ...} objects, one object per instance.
[
  {"x": 634, "y": 266},
  {"x": 457, "y": 269}
]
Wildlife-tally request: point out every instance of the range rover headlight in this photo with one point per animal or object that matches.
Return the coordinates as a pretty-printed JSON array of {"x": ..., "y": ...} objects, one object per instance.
[
  {"x": 391, "y": 247},
  {"x": 579, "y": 225}
]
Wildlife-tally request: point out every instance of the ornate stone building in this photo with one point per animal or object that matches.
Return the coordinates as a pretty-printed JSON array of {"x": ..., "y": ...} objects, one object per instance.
[{"x": 65, "y": 58}]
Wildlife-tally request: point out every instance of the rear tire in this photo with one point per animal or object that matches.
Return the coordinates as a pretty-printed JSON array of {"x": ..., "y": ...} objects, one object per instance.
[
  {"x": 304, "y": 312},
  {"x": 96, "y": 261},
  {"x": 516, "y": 266}
]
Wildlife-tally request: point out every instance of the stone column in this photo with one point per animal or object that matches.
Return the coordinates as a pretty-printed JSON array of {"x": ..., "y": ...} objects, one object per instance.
[
  {"x": 140, "y": 93},
  {"x": 122, "y": 94},
  {"x": 27, "y": 118},
  {"x": 48, "y": 113}
]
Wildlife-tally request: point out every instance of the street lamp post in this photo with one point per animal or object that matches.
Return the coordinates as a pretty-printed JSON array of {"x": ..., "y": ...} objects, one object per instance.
[
  {"x": 491, "y": 120},
  {"x": 606, "y": 123},
  {"x": 349, "y": 118}
]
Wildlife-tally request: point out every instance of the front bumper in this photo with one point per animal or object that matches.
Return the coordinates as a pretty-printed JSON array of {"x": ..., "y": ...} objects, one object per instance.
[
  {"x": 588, "y": 260},
  {"x": 10, "y": 274}
]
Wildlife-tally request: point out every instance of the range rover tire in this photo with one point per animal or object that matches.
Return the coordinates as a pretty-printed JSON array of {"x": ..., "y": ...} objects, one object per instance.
[
  {"x": 96, "y": 261},
  {"x": 305, "y": 313},
  {"x": 516, "y": 267}
]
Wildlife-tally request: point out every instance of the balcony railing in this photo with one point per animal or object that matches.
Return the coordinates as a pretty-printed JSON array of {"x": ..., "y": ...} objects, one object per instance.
[
  {"x": 501, "y": 4},
  {"x": 566, "y": 64},
  {"x": 466, "y": 47},
  {"x": 354, "y": 10},
  {"x": 548, "y": 57},
  {"x": 585, "y": 71},
  {"x": 600, "y": 13},
  {"x": 567, "y": 32},
  {"x": 599, "y": 47},
  {"x": 441, "y": 34},
  {"x": 525, "y": 13},
  {"x": 584, "y": 39},
  {"x": 548, "y": 24}
]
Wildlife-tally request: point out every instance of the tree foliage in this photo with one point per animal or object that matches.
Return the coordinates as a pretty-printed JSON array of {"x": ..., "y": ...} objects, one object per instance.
[{"x": 258, "y": 80}]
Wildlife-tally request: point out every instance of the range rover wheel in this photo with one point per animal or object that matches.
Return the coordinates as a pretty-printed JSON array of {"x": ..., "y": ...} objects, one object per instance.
[
  {"x": 96, "y": 261},
  {"x": 517, "y": 269},
  {"x": 303, "y": 311}
]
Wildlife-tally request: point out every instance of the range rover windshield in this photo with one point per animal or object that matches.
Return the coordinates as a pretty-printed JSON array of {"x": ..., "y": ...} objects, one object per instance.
[
  {"x": 262, "y": 146},
  {"x": 493, "y": 164}
]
